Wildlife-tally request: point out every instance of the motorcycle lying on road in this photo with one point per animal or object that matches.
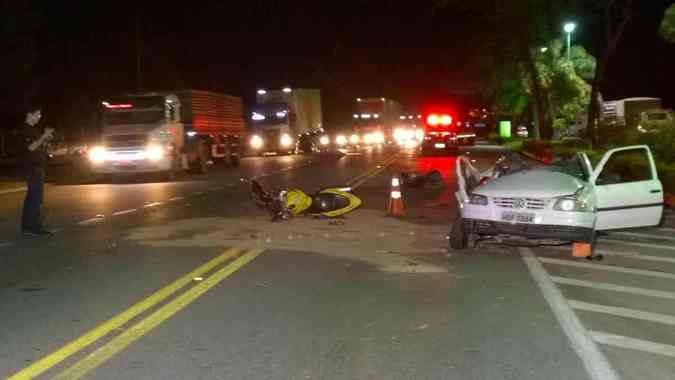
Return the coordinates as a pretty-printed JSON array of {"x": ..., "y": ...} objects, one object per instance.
[{"x": 285, "y": 203}]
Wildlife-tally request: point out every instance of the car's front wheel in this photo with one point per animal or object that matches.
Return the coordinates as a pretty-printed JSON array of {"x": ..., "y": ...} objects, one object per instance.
[{"x": 458, "y": 237}]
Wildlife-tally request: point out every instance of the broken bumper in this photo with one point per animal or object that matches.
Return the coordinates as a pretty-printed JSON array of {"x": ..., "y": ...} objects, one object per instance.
[{"x": 530, "y": 231}]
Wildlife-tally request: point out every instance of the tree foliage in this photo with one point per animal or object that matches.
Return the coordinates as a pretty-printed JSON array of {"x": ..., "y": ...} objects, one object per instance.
[{"x": 668, "y": 24}]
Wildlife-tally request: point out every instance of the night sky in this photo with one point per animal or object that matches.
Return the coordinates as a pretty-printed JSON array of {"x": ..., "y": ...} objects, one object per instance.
[{"x": 399, "y": 49}]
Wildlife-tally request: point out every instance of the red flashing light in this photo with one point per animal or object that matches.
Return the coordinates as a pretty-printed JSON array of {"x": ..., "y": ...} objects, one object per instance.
[
  {"x": 118, "y": 106},
  {"x": 446, "y": 120},
  {"x": 434, "y": 120}
]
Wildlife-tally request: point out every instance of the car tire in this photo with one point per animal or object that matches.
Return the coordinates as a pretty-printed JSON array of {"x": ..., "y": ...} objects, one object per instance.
[
  {"x": 458, "y": 237},
  {"x": 594, "y": 240}
]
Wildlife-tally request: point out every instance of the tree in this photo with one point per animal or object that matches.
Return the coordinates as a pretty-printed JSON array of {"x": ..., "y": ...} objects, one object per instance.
[
  {"x": 617, "y": 15},
  {"x": 564, "y": 81},
  {"x": 668, "y": 24}
]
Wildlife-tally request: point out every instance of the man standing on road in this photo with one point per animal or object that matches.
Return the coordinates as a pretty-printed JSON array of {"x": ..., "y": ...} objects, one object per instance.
[{"x": 35, "y": 157}]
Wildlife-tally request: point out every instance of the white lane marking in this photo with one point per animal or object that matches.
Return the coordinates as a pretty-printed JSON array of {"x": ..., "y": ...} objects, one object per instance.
[
  {"x": 613, "y": 287},
  {"x": 641, "y": 235},
  {"x": 153, "y": 204},
  {"x": 641, "y": 245},
  {"x": 632, "y": 255},
  {"x": 174, "y": 199},
  {"x": 608, "y": 268},
  {"x": 89, "y": 221},
  {"x": 129, "y": 211},
  {"x": 596, "y": 364},
  {"x": 4, "y": 244},
  {"x": 664, "y": 229},
  {"x": 623, "y": 312},
  {"x": 649, "y": 258},
  {"x": 633, "y": 344}
]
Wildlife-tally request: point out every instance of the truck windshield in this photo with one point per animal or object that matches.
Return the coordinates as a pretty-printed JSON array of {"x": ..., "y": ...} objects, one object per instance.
[
  {"x": 136, "y": 116},
  {"x": 134, "y": 110},
  {"x": 269, "y": 114}
]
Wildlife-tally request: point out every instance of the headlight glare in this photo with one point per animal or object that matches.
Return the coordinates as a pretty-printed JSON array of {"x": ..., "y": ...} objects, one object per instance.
[
  {"x": 256, "y": 142},
  {"x": 341, "y": 140},
  {"x": 286, "y": 140},
  {"x": 155, "y": 152},
  {"x": 97, "y": 154}
]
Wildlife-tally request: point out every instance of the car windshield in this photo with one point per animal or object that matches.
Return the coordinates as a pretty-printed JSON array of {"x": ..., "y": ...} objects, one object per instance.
[{"x": 571, "y": 166}]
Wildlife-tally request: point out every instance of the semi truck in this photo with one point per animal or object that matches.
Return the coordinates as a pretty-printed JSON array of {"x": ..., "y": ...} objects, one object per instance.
[
  {"x": 167, "y": 132},
  {"x": 374, "y": 121},
  {"x": 280, "y": 118}
]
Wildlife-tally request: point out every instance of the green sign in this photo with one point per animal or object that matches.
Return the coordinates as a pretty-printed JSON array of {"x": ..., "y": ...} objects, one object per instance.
[{"x": 505, "y": 129}]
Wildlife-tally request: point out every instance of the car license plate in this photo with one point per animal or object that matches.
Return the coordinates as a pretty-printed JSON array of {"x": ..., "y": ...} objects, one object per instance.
[
  {"x": 439, "y": 146},
  {"x": 517, "y": 217}
]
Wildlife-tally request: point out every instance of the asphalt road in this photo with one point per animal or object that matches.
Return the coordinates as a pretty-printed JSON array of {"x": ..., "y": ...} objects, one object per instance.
[{"x": 189, "y": 280}]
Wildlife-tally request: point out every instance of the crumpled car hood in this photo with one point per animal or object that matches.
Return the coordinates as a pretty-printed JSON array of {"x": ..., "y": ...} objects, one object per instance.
[{"x": 531, "y": 184}]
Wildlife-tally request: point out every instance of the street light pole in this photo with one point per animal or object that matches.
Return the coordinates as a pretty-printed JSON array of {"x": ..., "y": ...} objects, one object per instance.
[{"x": 569, "y": 28}]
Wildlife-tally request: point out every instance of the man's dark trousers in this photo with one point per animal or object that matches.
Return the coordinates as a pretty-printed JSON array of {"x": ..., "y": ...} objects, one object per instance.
[{"x": 31, "y": 220}]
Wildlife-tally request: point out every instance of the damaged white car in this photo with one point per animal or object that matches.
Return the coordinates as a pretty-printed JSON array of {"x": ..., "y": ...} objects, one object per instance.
[{"x": 568, "y": 201}]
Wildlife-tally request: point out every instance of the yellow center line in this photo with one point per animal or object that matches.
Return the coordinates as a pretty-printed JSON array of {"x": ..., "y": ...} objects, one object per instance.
[
  {"x": 361, "y": 179},
  {"x": 119, "y": 343},
  {"x": 116, "y": 322}
]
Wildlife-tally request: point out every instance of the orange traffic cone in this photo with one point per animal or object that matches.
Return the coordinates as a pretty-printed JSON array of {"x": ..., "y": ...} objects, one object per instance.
[
  {"x": 581, "y": 250},
  {"x": 396, "y": 206}
]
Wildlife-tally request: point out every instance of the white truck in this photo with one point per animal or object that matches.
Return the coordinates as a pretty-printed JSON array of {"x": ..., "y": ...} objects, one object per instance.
[
  {"x": 167, "y": 132},
  {"x": 280, "y": 118},
  {"x": 628, "y": 112}
]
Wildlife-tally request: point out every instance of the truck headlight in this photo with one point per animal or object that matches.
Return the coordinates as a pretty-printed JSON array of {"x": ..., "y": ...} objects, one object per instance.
[
  {"x": 341, "y": 140},
  {"x": 477, "y": 199},
  {"x": 286, "y": 140},
  {"x": 154, "y": 152},
  {"x": 97, "y": 154},
  {"x": 256, "y": 142},
  {"x": 570, "y": 204},
  {"x": 324, "y": 140},
  {"x": 378, "y": 137}
]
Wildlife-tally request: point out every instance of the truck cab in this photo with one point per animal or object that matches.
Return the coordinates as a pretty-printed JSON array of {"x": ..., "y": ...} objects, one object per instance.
[
  {"x": 141, "y": 133},
  {"x": 167, "y": 132},
  {"x": 280, "y": 117}
]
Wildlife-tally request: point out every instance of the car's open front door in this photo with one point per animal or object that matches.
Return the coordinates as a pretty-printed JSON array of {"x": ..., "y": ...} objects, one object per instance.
[{"x": 628, "y": 191}]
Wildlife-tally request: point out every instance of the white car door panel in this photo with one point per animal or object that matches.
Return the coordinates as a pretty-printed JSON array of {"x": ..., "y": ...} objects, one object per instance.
[{"x": 628, "y": 191}]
